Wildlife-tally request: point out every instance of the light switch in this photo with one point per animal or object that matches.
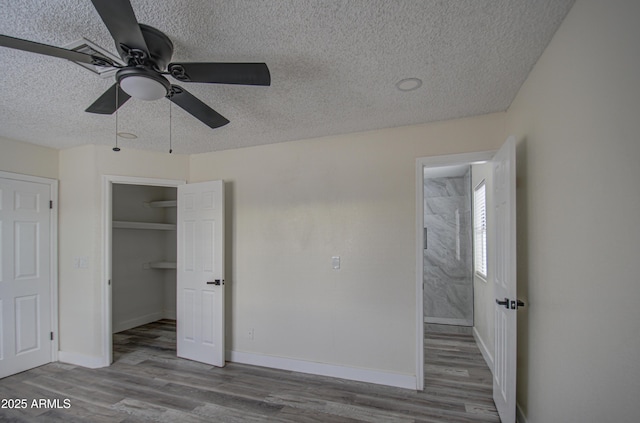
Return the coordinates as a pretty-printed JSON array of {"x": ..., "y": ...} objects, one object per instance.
[
  {"x": 84, "y": 262},
  {"x": 335, "y": 262},
  {"x": 81, "y": 262}
]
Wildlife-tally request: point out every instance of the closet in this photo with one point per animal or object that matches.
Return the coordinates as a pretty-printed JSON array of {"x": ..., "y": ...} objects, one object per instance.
[{"x": 143, "y": 255}]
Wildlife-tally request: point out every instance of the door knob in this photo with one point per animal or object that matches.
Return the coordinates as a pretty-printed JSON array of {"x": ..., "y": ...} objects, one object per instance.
[
  {"x": 504, "y": 303},
  {"x": 516, "y": 304},
  {"x": 216, "y": 282},
  {"x": 510, "y": 304}
]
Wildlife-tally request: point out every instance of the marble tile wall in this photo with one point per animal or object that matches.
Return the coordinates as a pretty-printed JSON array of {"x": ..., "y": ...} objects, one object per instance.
[{"x": 448, "y": 281}]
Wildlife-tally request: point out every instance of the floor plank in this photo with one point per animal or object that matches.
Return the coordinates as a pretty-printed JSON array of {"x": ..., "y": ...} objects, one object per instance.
[{"x": 147, "y": 382}]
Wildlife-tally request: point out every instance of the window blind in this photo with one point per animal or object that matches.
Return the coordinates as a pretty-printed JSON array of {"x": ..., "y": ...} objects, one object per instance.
[{"x": 480, "y": 229}]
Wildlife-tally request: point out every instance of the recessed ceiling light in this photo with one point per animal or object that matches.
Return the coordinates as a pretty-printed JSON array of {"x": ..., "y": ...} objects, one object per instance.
[
  {"x": 127, "y": 135},
  {"x": 409, "y": 84}
]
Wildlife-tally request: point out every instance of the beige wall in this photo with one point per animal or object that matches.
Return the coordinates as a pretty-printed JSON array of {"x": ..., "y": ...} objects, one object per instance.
[
  {"x": 292, "y": 206},
  {"x": 80, "y": 216},
  {"x": 28, "y": 159},
  {"x": 577, "y": 119}
]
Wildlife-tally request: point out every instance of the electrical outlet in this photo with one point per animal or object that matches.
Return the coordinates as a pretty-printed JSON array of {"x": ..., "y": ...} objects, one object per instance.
[{"x": 250, "y": 334}]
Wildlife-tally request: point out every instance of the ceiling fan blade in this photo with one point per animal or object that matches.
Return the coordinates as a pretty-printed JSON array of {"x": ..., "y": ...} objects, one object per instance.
[
  {"x": 121, "y": 22},
  {"x": 106, "y": 104},
  {"x": 48, "y": 50},
  {"x": 222, "y": 73},
  {"x": 195, "y": 107}
]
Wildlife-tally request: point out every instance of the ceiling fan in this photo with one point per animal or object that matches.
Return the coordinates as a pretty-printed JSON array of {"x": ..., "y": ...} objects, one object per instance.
[{"x": 147, "y": 52}]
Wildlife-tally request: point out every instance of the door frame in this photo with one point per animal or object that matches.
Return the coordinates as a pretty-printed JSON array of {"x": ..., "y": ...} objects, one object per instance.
[
  {"x": 421, "y": 163},
  {"x": 53, "y": 250},
  {"x": 107, "y": 204}
]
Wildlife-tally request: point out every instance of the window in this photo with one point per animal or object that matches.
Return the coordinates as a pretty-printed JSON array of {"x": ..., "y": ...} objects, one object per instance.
[{"x": 480, "y": 230}]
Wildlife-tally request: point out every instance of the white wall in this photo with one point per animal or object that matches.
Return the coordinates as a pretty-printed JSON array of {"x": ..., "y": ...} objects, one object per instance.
[
  {"x": 483, "y": 298},
  {"x": 577, "y": 119},
  {"x": 28, "y": 159},
  {"x": 292, "y": 206},
  {"x": 81, "y": 235}
]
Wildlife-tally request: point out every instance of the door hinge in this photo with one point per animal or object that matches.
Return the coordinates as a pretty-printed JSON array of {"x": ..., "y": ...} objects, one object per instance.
[
  {"x": 51, "y": 336},
  {"x": 51, "y": 204}
]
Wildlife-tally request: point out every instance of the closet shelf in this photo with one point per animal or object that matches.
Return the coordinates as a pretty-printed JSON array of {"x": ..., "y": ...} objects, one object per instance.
[
  {"x": 158, "y": 204},
  {"x": 121, "y": 224},
  {"x": 162, "y": 265}
]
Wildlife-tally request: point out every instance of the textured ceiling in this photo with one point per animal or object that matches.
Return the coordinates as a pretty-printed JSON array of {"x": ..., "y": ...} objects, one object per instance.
[{"x": 334, "y": 67}]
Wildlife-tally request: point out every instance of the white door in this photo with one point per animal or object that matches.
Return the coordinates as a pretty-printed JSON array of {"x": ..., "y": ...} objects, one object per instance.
[
  {"x": 504, "y": 197},
  {"x": 200, "y": 272},
  {"x": 25, "y": 297}
]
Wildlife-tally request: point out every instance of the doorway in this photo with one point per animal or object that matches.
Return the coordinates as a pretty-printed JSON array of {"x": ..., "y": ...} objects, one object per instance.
[
  {"x": 139, "y": 220},
  {"x": 199, "y": 250},
  {"x": 439, "y": 166},
  {"x": 143, "y": 255},
  {"x": 447, "y": 253}
]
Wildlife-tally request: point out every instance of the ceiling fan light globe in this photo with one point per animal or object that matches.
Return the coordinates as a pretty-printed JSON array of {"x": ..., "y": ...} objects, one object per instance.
[
  {"x": 143, "y": 83},
  {"x": 143, "y": 88}
]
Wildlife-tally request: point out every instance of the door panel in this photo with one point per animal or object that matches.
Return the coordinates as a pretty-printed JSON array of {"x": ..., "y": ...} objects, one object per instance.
[
  {"x": 25, "y": 272},
  {"x": 208, "y": 245},
  {"x": 26, "y": 248},
  {"x": 200, "y": 272},
  {"x": 208, "y": 318},
  {"x": 188, "y": 323},
  {"x": 504, "y": 197},
  {"x": 189, "y": 245},
  {"x": 27, "y": 323}
]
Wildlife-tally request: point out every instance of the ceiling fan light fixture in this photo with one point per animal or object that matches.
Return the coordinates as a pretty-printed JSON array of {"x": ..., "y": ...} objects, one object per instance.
[{"x": 143, "y": 84}]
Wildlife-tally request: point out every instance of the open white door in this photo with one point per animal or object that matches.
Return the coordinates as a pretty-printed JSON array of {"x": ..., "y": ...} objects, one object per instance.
[
  {"x": 200, "y": 272},
  {"x": 25, "y": 276},
  {"x": 506, "y": 306}
]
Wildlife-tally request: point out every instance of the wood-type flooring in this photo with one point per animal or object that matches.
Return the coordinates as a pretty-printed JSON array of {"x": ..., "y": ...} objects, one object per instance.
[{"x": 147, "y": 383}]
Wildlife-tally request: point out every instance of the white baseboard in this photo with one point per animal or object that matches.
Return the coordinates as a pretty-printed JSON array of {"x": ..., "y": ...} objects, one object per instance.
[
  {"x": 520, "y": 417},
  {"x": 137, "y": 321},
  {"x": 483, "y": 349},
  {"x": 322, "y": 369},
  {"x": 90, "y": 361},
  {"x": 448, "y": 321}
]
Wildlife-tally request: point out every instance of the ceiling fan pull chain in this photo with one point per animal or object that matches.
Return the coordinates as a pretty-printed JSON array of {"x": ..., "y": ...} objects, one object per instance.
[
  {"x": 116, "y": 148},
  {"x": 170, "y": 145}
]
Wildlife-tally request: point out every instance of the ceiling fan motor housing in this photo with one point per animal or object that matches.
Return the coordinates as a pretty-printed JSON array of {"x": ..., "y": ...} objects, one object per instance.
[
  {"x": 141, "y": 79},
  {"x": 159, "y": 46}
]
